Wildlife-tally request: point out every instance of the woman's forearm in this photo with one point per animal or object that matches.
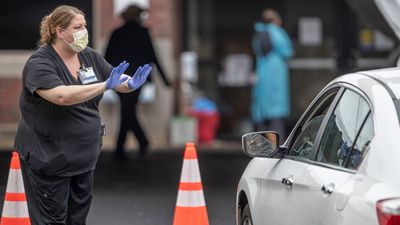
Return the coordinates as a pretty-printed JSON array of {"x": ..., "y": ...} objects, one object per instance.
[{"x": 72, "y": 94}]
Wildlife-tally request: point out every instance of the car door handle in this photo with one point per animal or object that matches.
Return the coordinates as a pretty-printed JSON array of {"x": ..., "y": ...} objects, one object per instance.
[
  {"x": 288, "y": 181},
  {"x": 328, "y": 188}
]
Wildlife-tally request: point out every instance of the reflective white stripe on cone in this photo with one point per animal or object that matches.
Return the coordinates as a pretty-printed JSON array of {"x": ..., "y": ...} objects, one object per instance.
[
  {"x": 190, "y": 171},
  {"x": 14, "y": 181}
]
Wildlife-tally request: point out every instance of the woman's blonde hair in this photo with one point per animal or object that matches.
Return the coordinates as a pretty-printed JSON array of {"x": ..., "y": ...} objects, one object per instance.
[{"x": 60, "y": 17}]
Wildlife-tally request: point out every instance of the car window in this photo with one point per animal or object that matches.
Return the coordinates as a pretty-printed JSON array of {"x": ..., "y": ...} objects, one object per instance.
[
  {"x": 361, "y": 146},
  {"x": 304, "y": 142},
  {"x": 342, "y": 128}
]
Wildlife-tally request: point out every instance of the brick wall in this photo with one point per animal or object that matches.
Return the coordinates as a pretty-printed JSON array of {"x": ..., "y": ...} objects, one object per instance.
[
  {"x": 10, "y": 89},
  {"x": 106, "y": 18},
  {"x": 164, "y": 21}
]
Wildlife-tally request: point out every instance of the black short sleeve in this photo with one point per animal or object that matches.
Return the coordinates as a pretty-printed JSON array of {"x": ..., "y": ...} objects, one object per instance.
[{"x": 41, "y": 74}]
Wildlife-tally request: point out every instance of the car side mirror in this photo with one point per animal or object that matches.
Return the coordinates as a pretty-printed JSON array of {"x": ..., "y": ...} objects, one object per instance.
[{"x": 260, "y": 144}]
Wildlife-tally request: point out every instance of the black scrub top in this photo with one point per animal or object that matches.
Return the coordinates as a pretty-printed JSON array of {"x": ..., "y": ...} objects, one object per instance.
[{"x": 55, "y": 139}]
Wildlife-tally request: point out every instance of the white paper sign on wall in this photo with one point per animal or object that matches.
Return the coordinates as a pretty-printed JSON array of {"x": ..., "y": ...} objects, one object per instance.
[{"x": 310, "y": 31}]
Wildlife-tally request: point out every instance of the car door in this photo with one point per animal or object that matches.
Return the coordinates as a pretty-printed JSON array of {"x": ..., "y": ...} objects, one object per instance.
[
  {"x": 286, "y": 178},
  {"x": 336, "y": 156},
  {"x": 343, "y": 146}
]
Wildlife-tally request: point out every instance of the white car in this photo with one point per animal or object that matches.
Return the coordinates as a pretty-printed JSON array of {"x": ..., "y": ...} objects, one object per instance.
[{"x": 339, "y": 165}]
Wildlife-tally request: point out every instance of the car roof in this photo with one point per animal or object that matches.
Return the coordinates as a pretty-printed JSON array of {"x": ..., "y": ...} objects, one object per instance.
[{"x": 390, "y": 78}]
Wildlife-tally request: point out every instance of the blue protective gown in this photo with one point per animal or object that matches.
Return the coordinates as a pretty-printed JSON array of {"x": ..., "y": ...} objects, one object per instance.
[{"x": 270, "y": 94}]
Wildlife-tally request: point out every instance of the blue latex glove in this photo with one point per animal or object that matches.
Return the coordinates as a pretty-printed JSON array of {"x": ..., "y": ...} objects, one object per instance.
[
  {"x": 139, "y": 77},
  {"x": 115, "y": 76}
]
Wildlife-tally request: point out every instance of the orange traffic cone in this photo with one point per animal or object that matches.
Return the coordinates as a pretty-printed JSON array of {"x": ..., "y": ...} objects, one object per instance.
[
  {"x": 15, "y": 209},
  {"x": 190, "y": 206}
]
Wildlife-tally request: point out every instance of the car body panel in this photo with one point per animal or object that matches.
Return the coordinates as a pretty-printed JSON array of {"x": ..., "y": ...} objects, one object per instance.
[{"x": 390, "y": 77}]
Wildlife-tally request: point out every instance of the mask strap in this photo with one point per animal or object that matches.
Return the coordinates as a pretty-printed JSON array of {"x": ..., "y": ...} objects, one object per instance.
[{"x": 64, "y": 38}]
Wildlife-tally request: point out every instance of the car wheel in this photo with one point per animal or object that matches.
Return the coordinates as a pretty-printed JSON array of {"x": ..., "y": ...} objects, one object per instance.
[{"x": 246, "y": 216}]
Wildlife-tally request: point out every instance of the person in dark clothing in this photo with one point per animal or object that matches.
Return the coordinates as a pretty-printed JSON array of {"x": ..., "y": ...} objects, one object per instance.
[
  {"x": 132, "y": 42},
  {"x": 59, "y": 134}
]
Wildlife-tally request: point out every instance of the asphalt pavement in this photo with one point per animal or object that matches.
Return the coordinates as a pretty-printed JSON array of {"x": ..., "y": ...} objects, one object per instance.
[{"x": 136, "y": 191}]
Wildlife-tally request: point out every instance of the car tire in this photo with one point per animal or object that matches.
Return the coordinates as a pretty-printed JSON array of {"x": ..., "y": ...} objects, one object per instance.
[{"x": 246, "y": 216}]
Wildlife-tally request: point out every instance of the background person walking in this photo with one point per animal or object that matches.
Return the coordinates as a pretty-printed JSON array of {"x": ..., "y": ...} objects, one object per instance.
[{"x": 132, "y": 42}]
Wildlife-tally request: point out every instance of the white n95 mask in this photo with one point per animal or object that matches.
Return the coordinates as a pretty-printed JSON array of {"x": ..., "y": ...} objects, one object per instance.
[{"x": 81, "y": 40}]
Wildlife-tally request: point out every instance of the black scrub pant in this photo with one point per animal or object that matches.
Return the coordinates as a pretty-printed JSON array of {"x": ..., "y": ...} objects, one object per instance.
[
  {"x": 130, "y": 122},
  {"x": 54, "y": 200}
]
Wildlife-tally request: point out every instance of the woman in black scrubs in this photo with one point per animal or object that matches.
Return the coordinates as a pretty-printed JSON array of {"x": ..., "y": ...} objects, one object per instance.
[{"x": 59, "y": 135}]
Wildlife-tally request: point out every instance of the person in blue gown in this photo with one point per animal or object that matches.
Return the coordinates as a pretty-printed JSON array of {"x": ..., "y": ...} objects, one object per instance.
[{"x": 270, "y": 94}]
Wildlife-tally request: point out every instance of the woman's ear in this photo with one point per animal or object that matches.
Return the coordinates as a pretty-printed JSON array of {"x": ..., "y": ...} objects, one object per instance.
[{"x": 59, "y": 32}]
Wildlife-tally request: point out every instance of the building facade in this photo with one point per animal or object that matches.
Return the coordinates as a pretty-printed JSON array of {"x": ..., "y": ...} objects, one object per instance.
[{"x": 329, "y": 38}]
